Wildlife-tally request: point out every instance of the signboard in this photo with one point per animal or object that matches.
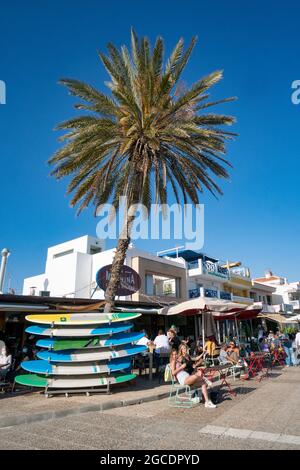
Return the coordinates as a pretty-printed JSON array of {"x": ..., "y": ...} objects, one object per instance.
[{"x": 130, "y": 281}]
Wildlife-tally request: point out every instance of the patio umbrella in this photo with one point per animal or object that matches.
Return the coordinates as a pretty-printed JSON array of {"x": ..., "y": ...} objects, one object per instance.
[{"x": 194, "y": 306}]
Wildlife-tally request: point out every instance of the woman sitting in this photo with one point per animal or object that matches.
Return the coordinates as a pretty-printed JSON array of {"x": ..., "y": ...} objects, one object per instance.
[
  {"x": 263, "y": 345},
  {"x": 182, "y": 368}
]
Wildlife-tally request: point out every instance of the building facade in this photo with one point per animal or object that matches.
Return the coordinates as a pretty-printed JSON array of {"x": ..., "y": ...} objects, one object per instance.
[
  {"x": 286, "y": 294},
  {"x": 71, "y": 269},
  {"x": 210, "y": 277}
]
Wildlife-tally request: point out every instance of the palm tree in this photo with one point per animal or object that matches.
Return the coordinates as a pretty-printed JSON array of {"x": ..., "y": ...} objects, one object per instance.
[{"x": 149, "y": 134}]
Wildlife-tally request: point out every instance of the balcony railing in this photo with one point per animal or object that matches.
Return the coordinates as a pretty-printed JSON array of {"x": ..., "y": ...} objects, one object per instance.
[
  {"x": 194, "y": 293},
  {"x": 242, "y": 300},
  {"x": 211, "y": 293},
  {"x": 225, "y": 295},
  {"x": 215, "y": 269},
  {"x": 241, "y": 271}
]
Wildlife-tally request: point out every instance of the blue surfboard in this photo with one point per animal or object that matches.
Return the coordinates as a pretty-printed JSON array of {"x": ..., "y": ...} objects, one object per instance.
[
  {"x": 90, "y": 355},
  {"x": 77, "y": 332},
  {"x": 89, "y": 343},
  {"x": 45, "y": 368}
]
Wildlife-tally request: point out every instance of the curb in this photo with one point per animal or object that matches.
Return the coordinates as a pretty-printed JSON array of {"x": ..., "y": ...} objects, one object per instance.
[{"x": 9, "y": 421}]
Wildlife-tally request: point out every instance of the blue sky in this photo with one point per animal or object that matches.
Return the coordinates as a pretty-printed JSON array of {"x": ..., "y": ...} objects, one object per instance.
[{"x": 256, "y": 221}]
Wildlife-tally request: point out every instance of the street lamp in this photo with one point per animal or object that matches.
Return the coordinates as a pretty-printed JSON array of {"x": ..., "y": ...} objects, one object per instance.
[{"x": 5, "y": 254}]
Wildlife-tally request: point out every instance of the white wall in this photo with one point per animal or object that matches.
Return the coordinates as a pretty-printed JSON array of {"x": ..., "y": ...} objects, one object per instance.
[{"x": 74, "y": 274}]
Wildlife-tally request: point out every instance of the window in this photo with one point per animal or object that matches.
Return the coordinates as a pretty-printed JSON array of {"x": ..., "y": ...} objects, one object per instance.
[
  {"x": 159, "y": 285},
  {"x": 95, "y": 249},
  {"x": 63, "y": 253}
]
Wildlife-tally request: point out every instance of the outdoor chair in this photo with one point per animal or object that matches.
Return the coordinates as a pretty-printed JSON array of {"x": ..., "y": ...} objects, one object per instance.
[
  {"x": 141, "y": 362},
  {"x": 182, "y": 396},
  {"x": 212, "y": 360},
  {"x": 235, "y": 371}
]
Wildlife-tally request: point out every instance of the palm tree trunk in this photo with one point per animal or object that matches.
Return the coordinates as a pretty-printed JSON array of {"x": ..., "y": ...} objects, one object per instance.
[{"x": 118, "y": 261}]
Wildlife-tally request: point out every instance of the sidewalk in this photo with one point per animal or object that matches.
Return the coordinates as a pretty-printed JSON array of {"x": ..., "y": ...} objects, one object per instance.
[{"x": 29, "y": 407}]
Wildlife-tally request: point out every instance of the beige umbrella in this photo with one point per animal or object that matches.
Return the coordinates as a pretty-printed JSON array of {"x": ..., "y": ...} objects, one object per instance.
[{"x": 203, "y": 304}]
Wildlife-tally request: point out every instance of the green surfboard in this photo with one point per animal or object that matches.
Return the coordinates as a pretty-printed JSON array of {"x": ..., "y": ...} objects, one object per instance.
[{"x": 35, "y": 380}]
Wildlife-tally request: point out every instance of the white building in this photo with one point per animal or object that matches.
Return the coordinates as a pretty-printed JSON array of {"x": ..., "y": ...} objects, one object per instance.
[
  {"x": 286, "y": 294},
  {"x": 210, "y": 277},
  {"x": 71, "y": 269}
]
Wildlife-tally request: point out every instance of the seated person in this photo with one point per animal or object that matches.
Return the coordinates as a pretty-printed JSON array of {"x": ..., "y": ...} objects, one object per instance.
[
  {"x": 5, "y": 360},
  {"x": 141, "y": 359},
  {"x": 196, "y": 348},
  {"x": 263, "y": 345},
  {"x": 144, "y": 341},
  {"x": 233, "y": 353},
  {"x": 210, "y": 347},
  {"x": 161, "y": 343},
  {"x": 233, "y": 356},
  {"x": 223, "y": 359},
  {"x": 182, "y": 369}
]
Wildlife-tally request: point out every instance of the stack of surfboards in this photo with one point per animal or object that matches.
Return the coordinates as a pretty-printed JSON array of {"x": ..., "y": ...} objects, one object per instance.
[{"x": 81, "y": 350}]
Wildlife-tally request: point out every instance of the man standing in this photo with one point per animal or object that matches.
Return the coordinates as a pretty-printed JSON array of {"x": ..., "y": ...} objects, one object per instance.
[{"x": 174, "y": 341}]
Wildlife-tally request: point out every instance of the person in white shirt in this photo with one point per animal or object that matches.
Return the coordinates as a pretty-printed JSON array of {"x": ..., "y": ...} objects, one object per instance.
[
  {"x": 161, "y": 343},
  {"x": 144, "y": 341},
  {"x": 5, "y": 360}
]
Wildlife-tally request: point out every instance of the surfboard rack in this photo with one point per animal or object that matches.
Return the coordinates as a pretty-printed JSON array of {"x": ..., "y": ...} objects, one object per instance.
[{"x": 48, "y": 392}]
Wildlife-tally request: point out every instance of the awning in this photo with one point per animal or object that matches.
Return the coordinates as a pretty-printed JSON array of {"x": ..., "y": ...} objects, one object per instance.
[
  {"x": 22, "y": 308},
  {"x": 246, "y": 314},
  {"x": 276, "y": 317}
]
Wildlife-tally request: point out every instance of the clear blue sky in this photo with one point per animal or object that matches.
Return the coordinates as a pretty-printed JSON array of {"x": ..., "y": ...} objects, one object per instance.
[{"x": 256, "y": 43}]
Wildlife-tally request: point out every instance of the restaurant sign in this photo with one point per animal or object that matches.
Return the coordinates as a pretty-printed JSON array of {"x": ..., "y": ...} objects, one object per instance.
[{"x": 130, "y": 281}]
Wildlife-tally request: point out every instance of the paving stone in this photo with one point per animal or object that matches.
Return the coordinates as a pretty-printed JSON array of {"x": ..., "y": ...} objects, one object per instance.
[
  {"x": 239, "y": 433},
  {"x": 216, "y": 430},
  {"x": 264, "y": 436}
]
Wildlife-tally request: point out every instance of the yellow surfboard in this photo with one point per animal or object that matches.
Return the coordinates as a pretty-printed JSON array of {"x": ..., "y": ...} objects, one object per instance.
[{"x": 81, "y": 318}]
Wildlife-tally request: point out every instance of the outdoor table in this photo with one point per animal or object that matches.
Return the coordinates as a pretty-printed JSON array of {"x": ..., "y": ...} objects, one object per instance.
[{"x": 222, "y": 371}]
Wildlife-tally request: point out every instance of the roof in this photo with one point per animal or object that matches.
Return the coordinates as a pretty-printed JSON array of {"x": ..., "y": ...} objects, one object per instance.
[
  {"x": 262, "y": 286},
  {"x": 9, "y": 302},
  {"x": 188, "y": 255},
  {"x": 266, "y": 279}
]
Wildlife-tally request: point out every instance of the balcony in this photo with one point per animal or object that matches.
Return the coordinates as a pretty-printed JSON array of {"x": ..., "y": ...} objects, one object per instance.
[
  {"x": 270, "y": 308},
  {"x": 242, "y": 300}
]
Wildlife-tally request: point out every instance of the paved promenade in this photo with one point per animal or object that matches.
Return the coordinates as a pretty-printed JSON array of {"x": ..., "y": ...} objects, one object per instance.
[{"x": 264, "y": 415}]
